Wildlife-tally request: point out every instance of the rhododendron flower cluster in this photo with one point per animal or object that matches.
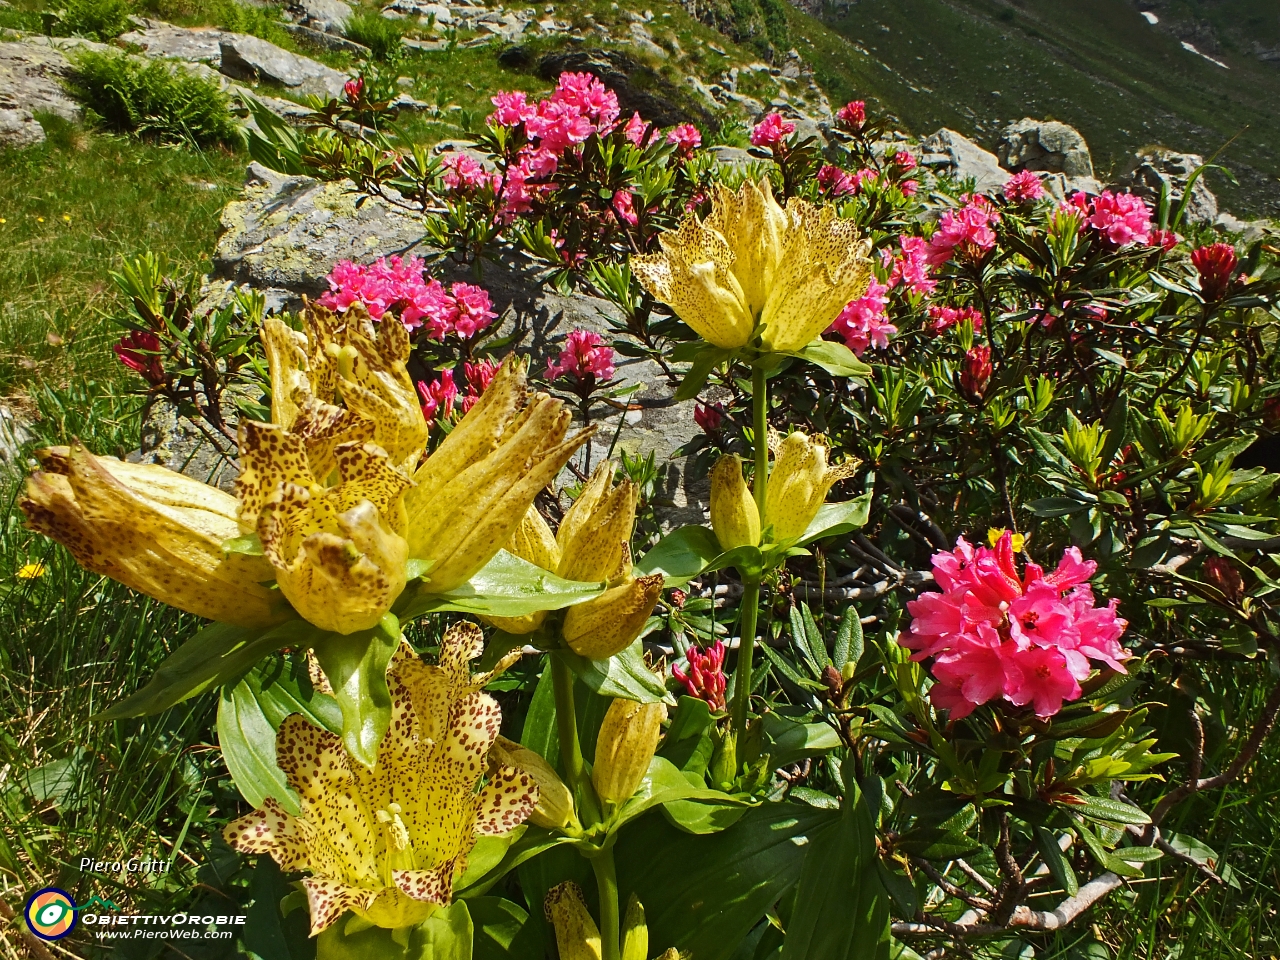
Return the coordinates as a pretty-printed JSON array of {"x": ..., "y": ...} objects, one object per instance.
[
  {"x": 438, "y": 396},
  {"x": 686, "y": 138},
  {"x": 139, "y": 350},
  {"x": 635, "y": 129},
  {"x": 1121, "y": 218},
  {"x": 771, "y": 131},
  {"x": 464, "y": 174},
  {"x": 584, "y": 355},
  {"x": 853, "y": 115},
  {"x": 398, "y": 285},
  {"x": 1023, "y": 187},
  {"x": 943, "y": 318},
  {"x": 1166, "y": 240},
  {"x": 624, "y": 206},
  {"x": 1216, "y": 264},
  {"x": 975, "y": 372},
  {"x": 835, "y": 182},
  {"x": 995, "y": 634},
  {"x": 865, "y": 322},
  {"x": 912, "y": 267},
  {"x": 479, "y": 376},
  {"x": 705, "y": 679},
  {"x": 967, "y": 231}
]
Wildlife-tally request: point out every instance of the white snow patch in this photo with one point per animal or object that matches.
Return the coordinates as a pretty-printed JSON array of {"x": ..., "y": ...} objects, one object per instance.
[
  {"x": 1187, "y": 46},
  {"x": 1151, "y": 17}
]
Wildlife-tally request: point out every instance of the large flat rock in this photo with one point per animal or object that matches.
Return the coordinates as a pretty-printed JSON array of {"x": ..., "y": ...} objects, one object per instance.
[
  {"x": 160, "y": 39},
  {"x": 951, "y": 154},
  {"x": 250, "y": 58},
  {"x": 30, "y": 79}
]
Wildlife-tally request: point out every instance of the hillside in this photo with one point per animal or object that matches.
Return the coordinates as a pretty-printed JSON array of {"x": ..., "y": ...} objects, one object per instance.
[{"x": 1099, "y": 65}]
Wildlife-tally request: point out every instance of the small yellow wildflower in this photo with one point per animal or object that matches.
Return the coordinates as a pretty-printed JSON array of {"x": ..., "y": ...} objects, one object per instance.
[
  {"x": 31, "y": 571},
  {"x": 39, "y": 219},
  {"x": 66, "y": 218},
  {"x": 1019, "y": 541}
]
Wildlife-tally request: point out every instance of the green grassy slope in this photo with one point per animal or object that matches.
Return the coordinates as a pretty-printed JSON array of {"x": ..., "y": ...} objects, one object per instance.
[{"x": 975, "y": 65}]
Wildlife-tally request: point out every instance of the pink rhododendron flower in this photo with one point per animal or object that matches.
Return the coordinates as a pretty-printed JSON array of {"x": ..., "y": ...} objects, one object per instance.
[
  {"x": 975, "y": 372},
  {"x": 967, "y": 231},
  {"x": 835, "y": 182},
  {"x": 511, "y": 109},
  {"x": 139, "y": 350},
  {"x": 709, "y": 416},
  {"x": 904, "y": 161},
  {"x": 438, "y": 397},
  {"x": 944, "y": 318},
  {"x": 589, "y": 97},
  {"x": 463, "y": 173},
  {"x": 396, "y": 284},
  {"x": 853, "y": 115},
  {"x": 624, "y": 207},
  {"x": 475, "y": 309},
  {"x": 994, "y": 633},
  {"x": 1166, "y": 240},
  {"x": 686, "y": 137},
  {"x": 1121, "y": 218},
  {"x": 353, "y": 88},
  {"x": 705, "y": 678},
  {"x": 864, "y": 323},
  {"x": 864, "y": 179},
  {"x": 1023, "y": 187},
  {"x": 909, "y": 188},
  {"x": 479, "y": 376},
  {"x": 1215, "y": 263},
  {"x": 771, "y": 131},
  {"x": 584, "y": 355},
  {"x": 634, "y": 131},
  {"x": 911, "y": 269},
  {"x": 559, "y": 126}
]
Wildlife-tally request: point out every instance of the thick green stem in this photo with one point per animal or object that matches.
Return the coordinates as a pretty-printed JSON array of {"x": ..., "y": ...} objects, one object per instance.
[
  {"x": 607, "y": 885},
  {"x": 760, "y": 437},
  {"x": 746, "y": 653},
  {"x": 575, "y": 767}
]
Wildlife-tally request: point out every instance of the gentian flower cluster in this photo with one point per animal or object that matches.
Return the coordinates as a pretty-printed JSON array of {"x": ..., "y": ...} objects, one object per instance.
[
  {"x": 996, "y": 634},
  {"x": 398, "y": 285},
  {"x": 584, "y": 355}
]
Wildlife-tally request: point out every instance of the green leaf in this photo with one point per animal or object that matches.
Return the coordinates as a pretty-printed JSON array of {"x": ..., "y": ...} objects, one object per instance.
[
  {"x": 1051, "y": 853},
  {"x": 624, "y": 675},
  {"x": 835, "y": 358},
  {"x": 506, "y": 587},
  {"x": 217, "y": 654},
  {"x": 681, "y": 555},
  {"x": 698, "y": 817},
  {"x": 787, "y": 741},
  {"x": 1105, "y": 809},
  {"x": 899, "y": 888},
  {"x": 704, "y": 894},
  {"x": 356, "y": 667},
  {"x": 445, "y": 935},
  {"x": 842, "y": 910},
  {"x": 250, "y": 713},
  {"x": 699, "y": 371},
  {"x": 502, "y": 930},
  {"x": 837, "y": 518},
  {"x": 687, "y": 742},
  {"x": 849, "y": 640},
  {"x": 664, "y": 783},
  {"x": 267, "y": 933}
]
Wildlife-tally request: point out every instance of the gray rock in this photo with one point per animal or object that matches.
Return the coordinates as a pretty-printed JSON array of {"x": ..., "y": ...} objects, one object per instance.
[
  {"x": 421, "y": 8},
  {"x": 327, "y": 41},
  {"x": 949, "y": 154},
  {"x": 173, "y": 441},
  {"x": 13, "y": 435},
  {"x": 287, "y": 232},
  {"x": 327, "y": 15},
  {"x": 1044, "y": 146},
  {"x": 18, "y": 128},
  {"x": 250, "y": 58},
  {"x": 806, "y": 126},
  {"x": 734, "y": 157},
  {"x": 1145, "y": 173},
  {"x": 31, "y": 75},
  {"x": 160, "y": 39}
]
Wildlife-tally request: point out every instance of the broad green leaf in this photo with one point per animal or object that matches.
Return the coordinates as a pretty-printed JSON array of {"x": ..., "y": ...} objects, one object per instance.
[
  {"x": 837, "y": 518},
  {"x": 704, "y": 894},
  {"x": 693, "y": 816},
  {"x": 835, "y": 358},
  {"x": 487, "y": 853},
  {"x": 1105, "y": 809},
  {"x": 502, "y": 930},
  {"x": 900, "y": 889},
  {"x": 624, "y": 675},
  {"x": 849, "y": 640},
  {"x": 688, "y": 742},
  {"x": 506, "y": 587},
  {"x": 214, "y": 656},
  {"x": 250, "y": 713},
  {"x": 267, "y": 933},
  {"x": 664, "y": 783},
  {"x": 532, "y": 842},
  {"x": 681, "y": 555},
  {"x": 445, "y": 935},
  {"x": 356, "y": 668},
  {"x": 539, "y": 731},
  {"x": 699, "y": 371},
  {"x": 842, "y": 908},
  {"x": 787, "y": 741},
  {"x": 1058, "y": 866}
]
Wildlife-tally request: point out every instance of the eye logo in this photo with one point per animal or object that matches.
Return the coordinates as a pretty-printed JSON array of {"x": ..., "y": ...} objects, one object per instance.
[{"x": 50, "y": 913}]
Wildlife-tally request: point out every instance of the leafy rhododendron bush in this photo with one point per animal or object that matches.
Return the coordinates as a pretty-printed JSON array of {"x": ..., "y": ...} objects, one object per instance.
[{"x": 986, "y": 488}]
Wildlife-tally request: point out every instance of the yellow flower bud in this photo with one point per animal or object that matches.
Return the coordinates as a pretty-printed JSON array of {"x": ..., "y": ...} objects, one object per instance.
[
  {"x": 798, "y": 484},
  {"x": 635, "y": 932},
  {"x": 554, "y": 809},
  {"x": 577, "y": 936},
  {"x": 611, "y": 622},
  {"x": 734, "y": 516},
  {"x": 596, "y": 531},
  {"x": 152, "y": 529},
  {"x": 626, "y": 744}
]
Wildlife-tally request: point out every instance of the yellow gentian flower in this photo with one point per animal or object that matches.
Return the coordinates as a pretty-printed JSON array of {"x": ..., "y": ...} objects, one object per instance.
[
  {"x": 387, "y": 843},
  {"x": 627, "y": 741},
  {"x": 734, "y": 516},
  {"x": 753, "y": 265},
  {"x": 798, "y": 483},
  {"x": 153, "y": 530},
  {"x": 577, "y": 936}
]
